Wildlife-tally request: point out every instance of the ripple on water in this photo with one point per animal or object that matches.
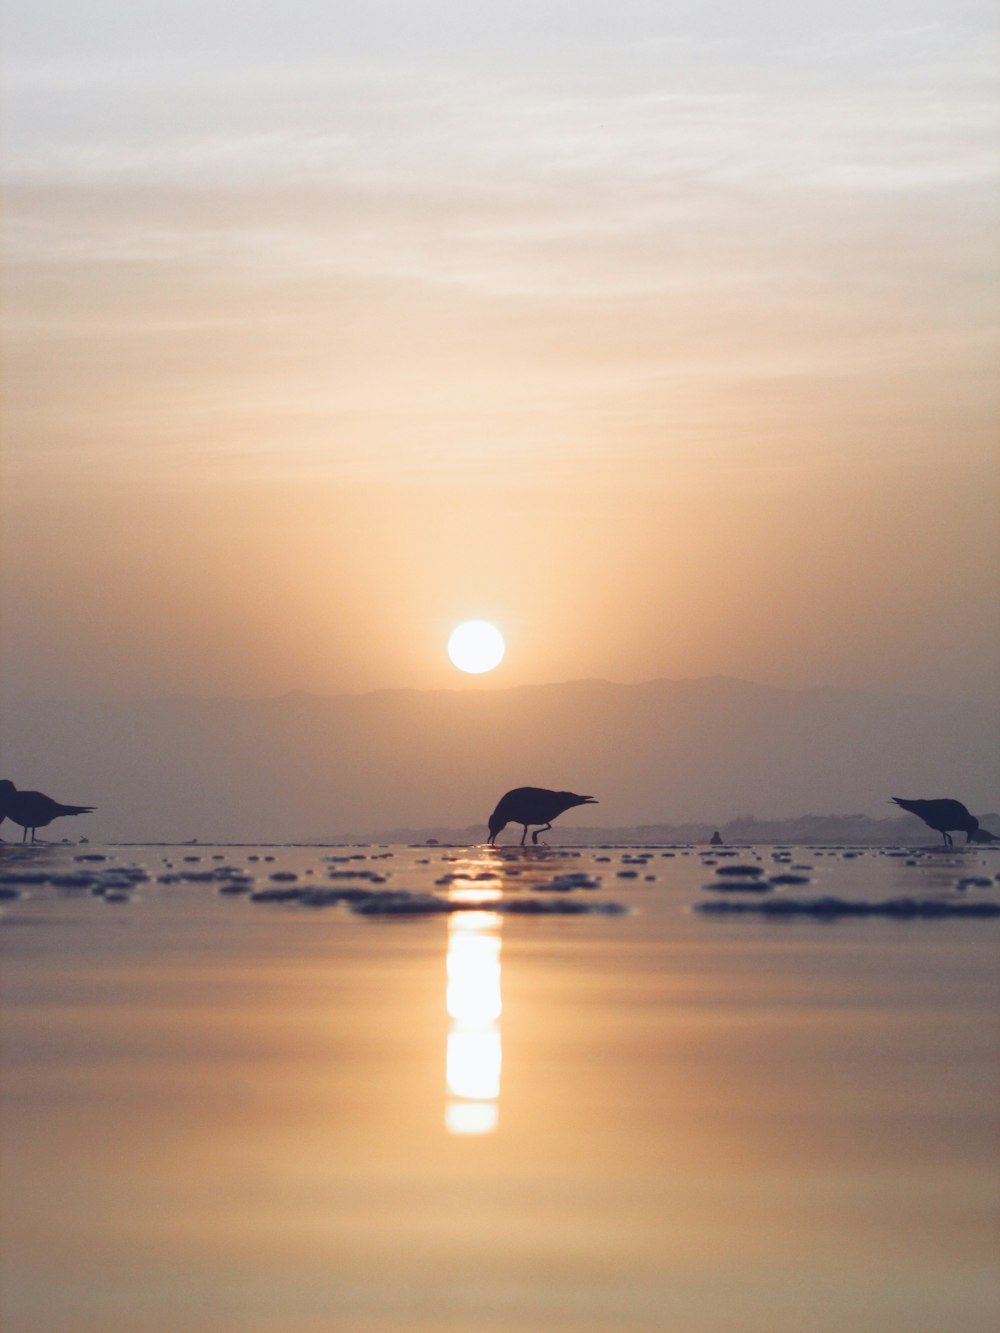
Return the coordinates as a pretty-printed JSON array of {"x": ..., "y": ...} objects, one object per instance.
[{"x": 901, "y": 908}]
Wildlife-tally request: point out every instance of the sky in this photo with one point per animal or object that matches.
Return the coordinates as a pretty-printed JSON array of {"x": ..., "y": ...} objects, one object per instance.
[{"x": 664, "y": 335}]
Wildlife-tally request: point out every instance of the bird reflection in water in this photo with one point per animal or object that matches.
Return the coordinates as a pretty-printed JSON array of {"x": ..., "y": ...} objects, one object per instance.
[{"x": 474, "y": 1005}]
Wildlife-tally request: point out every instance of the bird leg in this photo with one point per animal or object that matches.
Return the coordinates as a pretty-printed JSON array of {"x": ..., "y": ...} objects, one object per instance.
[
  {"x": 524, "y": 834},
  {"x": 534, "y": 836},
  {"x": 949, "y": 841}
]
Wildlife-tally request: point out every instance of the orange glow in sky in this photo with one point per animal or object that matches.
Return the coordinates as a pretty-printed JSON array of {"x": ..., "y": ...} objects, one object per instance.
[{"x": 672, "y": 351}]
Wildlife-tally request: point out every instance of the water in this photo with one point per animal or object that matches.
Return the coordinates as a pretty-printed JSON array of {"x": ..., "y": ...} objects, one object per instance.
[{"x": 265, "y": 1117}]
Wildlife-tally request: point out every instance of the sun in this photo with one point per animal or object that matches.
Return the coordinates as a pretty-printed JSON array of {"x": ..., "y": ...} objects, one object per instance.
[{"x": 476, "y": 646}]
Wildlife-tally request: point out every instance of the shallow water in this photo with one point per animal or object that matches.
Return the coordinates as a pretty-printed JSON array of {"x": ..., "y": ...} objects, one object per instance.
[{"x": 265, "y": 1117}]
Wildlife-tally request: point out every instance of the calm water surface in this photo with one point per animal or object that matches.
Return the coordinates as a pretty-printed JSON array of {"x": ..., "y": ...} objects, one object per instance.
[{"x": 261, "y": 1117}]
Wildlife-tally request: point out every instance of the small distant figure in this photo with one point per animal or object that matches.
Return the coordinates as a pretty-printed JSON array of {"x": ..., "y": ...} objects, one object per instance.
[
  {"x": 946, "y": 816},
  {"x": 33, "y": 809},
  {"x": 716, "y": 839},
  {"x": 532, "y": 805}
]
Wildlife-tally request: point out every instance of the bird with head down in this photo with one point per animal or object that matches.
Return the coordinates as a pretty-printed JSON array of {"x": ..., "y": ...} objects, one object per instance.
[
  {"x": 533, "y": 805},
  {"x": 947, "y": 816}
]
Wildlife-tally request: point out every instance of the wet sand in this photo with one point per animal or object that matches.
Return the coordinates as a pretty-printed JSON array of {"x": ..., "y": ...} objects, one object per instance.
[{"x": 268, "y": 1117}]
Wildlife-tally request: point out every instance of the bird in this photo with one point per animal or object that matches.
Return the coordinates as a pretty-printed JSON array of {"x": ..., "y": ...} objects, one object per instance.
[
  {"x": 33, "y": 809},
  {"x": 533, "y": 805},
  {"x": 947, "y": 816}
]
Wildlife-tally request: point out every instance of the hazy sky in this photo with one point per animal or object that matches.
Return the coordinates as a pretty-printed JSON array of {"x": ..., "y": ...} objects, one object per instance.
[{"x": 665, "y": 335}]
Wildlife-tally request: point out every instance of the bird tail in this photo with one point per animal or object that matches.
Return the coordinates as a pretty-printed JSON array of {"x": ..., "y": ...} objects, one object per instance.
[{"x": 77, "y": 809}]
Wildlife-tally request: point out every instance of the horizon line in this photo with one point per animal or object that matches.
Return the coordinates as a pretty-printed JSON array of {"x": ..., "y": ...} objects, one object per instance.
[{"x": 484, "y": 691}]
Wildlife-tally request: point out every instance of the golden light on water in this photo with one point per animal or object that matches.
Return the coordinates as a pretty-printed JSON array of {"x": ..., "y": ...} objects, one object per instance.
[
  {"x": 474, "y": 1003},
  {"x": 471, "y": 1117},
  {"x": 474, "y": 1064}
]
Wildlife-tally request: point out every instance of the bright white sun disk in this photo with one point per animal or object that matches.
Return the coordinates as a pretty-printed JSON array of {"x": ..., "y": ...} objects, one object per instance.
[{"x": 476, "y": 646}]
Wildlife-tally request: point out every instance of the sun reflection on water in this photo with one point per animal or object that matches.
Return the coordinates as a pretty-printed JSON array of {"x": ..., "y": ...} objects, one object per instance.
[{"x": 474, "y": 1005}]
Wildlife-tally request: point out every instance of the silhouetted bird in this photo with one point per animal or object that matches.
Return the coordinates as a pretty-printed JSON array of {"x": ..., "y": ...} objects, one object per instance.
[
  {"x": 533, "y": 805},
  {"x": 946, "y": 816},
  {"x": 32, "y": 809}
]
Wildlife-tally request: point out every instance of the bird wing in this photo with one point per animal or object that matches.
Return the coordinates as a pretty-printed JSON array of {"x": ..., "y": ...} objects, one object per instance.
[
  {"x": 536, "y": 805},
  {"x": 941, "y": 813}
]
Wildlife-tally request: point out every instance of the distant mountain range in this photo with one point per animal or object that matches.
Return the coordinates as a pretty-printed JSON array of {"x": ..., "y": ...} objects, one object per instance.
[
  {"x": 802, "y": 831},
  {"x": 663, "y": 754}
]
